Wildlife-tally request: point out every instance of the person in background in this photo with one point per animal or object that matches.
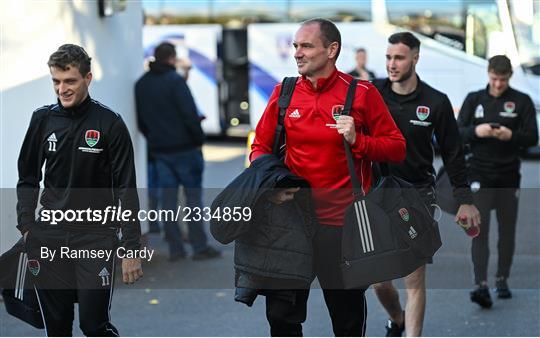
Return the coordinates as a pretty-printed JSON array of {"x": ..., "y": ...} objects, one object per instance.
[
  {"x": 360, "y": 71},
  {"x": 496, "y": 122},
  {"x": 168, "y": 118},
  {"x": 420, "y": 111}
]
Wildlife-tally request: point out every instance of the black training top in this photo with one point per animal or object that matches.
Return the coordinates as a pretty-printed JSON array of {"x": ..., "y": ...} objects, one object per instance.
[
  {"x": 420, "y": 115},
  {"x": 89, "y": 164},
  {"x": 514, "y": 110}
]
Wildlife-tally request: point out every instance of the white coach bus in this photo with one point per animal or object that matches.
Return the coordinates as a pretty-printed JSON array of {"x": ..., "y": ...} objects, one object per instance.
[{"x": 253, "y": 45}]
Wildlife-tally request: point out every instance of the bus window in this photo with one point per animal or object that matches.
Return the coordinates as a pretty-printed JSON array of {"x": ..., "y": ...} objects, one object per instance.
[
  {"x": 525, "y": 16},
  {"x": 439, "y": 20},
  {"x": 483, "y": 30}
]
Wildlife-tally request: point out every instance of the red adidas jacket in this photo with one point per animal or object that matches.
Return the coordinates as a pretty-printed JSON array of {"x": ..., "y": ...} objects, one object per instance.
[{"x": 316, "y": 152}]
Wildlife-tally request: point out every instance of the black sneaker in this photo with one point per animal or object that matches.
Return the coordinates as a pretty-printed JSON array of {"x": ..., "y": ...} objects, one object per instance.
[
  {"x": 207, "y": 253},
  {"x": 481, "y": 297},
  {"x": 502, "y": 289},
  {"x": 393, "y": 329}
]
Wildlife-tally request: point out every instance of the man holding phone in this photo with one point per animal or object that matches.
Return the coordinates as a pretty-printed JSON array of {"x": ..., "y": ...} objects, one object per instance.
[{"x": 496, "y": 122}]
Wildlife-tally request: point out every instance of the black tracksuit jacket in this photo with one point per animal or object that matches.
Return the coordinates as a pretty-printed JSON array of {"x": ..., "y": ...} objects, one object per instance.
[
  {"x": 421, "y": 115},
  {"x": 89, "y": 164},
  {"x": 514, "y": 110}
]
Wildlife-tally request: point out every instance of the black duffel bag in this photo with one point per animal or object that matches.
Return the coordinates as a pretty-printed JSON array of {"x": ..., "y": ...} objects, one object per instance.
[
  {"x": 444, "y": 192},
  {"x": 388, "y": 233},
  {"x": 18, "y": 291}
]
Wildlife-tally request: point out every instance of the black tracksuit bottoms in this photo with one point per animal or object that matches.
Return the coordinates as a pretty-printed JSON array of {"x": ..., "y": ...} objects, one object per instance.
[
  {"x": 501, "y": 194},
  {"x": 347, "y": 308},
  {"x": 62, "y": 282}
]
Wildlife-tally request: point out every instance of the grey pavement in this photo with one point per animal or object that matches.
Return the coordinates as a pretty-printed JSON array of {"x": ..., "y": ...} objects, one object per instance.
[{"x": 188, "y": 298}]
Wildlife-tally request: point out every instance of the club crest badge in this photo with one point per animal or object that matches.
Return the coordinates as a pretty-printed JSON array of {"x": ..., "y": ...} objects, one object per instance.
[
  {"x": 33, "y": 266},
  {"x": 479, "y": 112},
  {"x": 509, "y": 107},
  {"x": 422, "y": 112},
  {"x": 91, "y": 137},
  {"x": 336, "y": 111},
  {"x": 404, "y": 214}
]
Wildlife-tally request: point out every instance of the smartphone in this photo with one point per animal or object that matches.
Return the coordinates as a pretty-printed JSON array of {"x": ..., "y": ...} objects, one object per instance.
[{"x": 494, "y": 125}]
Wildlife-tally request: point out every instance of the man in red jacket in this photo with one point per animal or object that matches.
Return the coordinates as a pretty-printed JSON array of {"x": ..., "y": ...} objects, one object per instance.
[{"x": 315, "y": 152}]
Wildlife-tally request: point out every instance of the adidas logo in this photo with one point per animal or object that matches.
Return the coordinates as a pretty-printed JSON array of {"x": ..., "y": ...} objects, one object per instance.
[
  {"x": 104, "y": 273},
  {"x": 52, "y": 138},
  {"x": 295, "y": 114},
  {"x": 412, "y": 233}
]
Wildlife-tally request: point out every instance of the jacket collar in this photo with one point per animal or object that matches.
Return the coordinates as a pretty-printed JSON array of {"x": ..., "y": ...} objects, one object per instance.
[
  {"x": 160, "y": 68},
  {"x": 503, "y": 95},
  {"x": 412, "y": 95},
  {"x": 80, "y": 109},
  {"x": 322, "y": 83}
]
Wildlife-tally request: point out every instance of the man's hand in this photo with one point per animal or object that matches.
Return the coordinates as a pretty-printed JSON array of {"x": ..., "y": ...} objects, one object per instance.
[
  {"x": 131, "y": 270},
  {"x": 345, "y": 126},
  {"x": 484, "y": 130},
  {"x": 470, "y": 213},
  {"x": 502, "y": 133},
  {"x": 283, "y": 195}
]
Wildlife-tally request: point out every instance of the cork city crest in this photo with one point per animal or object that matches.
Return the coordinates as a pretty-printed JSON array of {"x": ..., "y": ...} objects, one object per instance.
[
  {"x": 404, "y": 214},
  {"x": 33, "y": 266},
  {"x": 509, "y": 107},
  {"x": 422, "y": 112},
  {"x": 91, "y": 137},
  {"x": 336, "y": 111}
]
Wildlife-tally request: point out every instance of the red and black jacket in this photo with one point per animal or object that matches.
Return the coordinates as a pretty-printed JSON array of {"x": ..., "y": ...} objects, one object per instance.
[{"x": 315, "y": 151}]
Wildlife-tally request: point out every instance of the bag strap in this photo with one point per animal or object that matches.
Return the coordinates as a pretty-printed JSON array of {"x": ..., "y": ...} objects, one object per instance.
[
  {"x": 357, "y": 186},
  {"x": 285, "y": 95}
]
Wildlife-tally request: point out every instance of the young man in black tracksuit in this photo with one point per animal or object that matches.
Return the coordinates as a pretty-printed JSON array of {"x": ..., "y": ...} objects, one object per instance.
[
  {"x": 89, "y": 164},
  {"x": 420, "y": 112},
  {"x": 496, "y": 121}
]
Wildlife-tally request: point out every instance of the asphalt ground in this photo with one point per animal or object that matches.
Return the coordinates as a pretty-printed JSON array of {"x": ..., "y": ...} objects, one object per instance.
[{"x": 189, "y": 298}]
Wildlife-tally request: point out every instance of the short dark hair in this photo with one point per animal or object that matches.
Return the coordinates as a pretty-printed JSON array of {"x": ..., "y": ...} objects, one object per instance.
[
  {"x": 361, "y": 50},
  {"x": 329, "y": 32},
  {"x": 500, "y": 65},
  {"x": 406, "y": 38},
  {"x": 164, "y": 51},
  {"x": 70, "y": 55}
]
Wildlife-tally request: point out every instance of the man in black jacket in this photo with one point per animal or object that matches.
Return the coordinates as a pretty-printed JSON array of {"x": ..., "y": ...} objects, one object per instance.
[
  {"x": 89, "y": 165},
  {"x": 496, "y": 121},
  {"x": 360, "y": 71},
  {"x": 420, "y": 112},
  {"x": 168, "y": 118}
]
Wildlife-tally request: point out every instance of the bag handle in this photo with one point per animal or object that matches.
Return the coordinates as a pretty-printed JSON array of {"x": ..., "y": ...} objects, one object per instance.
[{"x": 285, "y": 95}]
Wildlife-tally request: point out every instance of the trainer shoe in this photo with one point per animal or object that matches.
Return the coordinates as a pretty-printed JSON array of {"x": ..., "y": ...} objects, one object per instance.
[
  {"x": 481, "y": 297},
  {"x": 393, "y": 329},
  {"x": 207, "y": 253},
  {"x": 502, "y": 289}
]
